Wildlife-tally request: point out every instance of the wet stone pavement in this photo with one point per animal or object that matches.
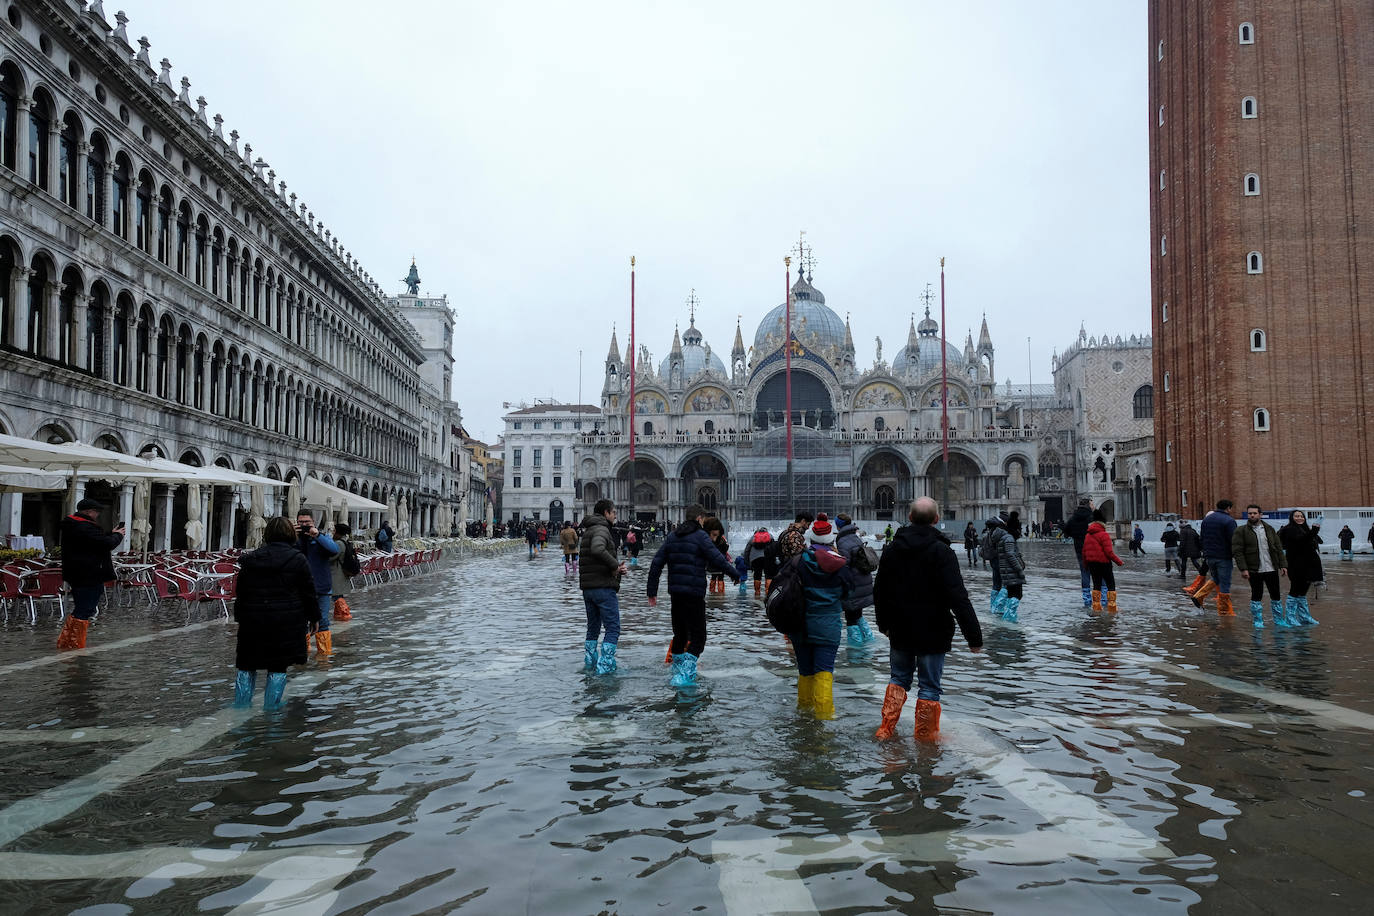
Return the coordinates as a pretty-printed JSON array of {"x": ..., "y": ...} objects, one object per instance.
[{"x": 452, "y": 756}]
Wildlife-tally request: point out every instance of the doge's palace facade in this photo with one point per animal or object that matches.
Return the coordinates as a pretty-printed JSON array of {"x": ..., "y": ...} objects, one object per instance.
[{"x": 161, "y": 290}]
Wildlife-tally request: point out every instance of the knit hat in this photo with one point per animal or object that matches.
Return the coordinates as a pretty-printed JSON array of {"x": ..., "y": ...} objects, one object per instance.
[
  {"x": 88, "y": 503},
  {"x": 821, "y": 531}
]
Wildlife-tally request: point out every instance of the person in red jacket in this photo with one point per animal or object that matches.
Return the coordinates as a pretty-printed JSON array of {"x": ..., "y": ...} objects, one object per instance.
[{"x": 1099, "y": 557}]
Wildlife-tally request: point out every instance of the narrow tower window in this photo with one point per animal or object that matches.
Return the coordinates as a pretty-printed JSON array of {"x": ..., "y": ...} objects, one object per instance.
[
  {"x": 1164, "y": 312},
  {"x": 1249, "y": 107},
  {"x": 1166, "y": 381},
  {"x": 1254, "y": 263},
  {"x": 1251, "y": 185},
  {"x": 1161, "y": 178},
  {"x": 1159, "y": 54},
  {"x": 1163, "y": 245},
  {"x": 1168, "y": 451},
  {"x": 1258, "y": 342},
  {"x": 1161, "y": 115},
  {"x": 1247, "y": 34},
  {"x": 1261, "y": 420}
]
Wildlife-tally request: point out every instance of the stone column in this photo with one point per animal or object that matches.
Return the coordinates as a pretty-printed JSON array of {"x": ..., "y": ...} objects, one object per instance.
[
  {"x": 107, "y": 195},
  {"x": 19, "y": 306},
  {"x": 205, "y": 403},
  {"x": 83, "y": 155},
  {"x": 131, "y": 350},
  {"x": 81, "y": 311},
  {"x": 107, "y": 344},
  {"x": 23, "y": 106},
  {"x": 51, "y": 344},
  {"x": 54, "y": 156},
  {"x": 164, "y": 519}
]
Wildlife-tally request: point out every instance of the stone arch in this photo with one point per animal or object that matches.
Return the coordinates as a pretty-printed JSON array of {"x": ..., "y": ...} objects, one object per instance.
[
  {"x": 54, "y": 431},
  {"x": 814, "y": 396},
  {"x": 110, "y": 440}
]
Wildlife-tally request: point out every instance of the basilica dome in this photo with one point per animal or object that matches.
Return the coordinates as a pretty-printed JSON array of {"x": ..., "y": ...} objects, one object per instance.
[
  {"x": 815, "y": 326},
  {"x": 696, "y": 355},
  {"x": 922, "y": 351}
]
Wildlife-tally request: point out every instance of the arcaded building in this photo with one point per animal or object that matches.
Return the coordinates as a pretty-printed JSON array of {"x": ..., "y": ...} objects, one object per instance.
[
  {"x": 1261, "y": 186},
  {"x": 161, "y": 290}
]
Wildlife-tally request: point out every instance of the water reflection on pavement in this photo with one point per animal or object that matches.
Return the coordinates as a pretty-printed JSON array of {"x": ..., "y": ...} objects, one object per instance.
[{"x": 452, "y": 755}]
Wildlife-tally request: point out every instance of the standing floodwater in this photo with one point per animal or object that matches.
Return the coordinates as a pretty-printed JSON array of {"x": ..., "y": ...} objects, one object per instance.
[{"x": 453, "y": 755}]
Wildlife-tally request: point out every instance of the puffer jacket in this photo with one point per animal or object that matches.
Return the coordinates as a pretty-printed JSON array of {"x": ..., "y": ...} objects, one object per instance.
[
  {"x": 1217, "y": 530},
  {"x": 919, "y": 593},
  {"x": 86, "y": 552},
  {"x": 1010, "y": 566},
  {"x": 317, "y": 552},
  {"x": 826, "y": 579},
  {"x": 275, "y": 607},
  {"x": 849, "y": 545},
  {"x": 1097, "y": 547},
  {"x": 1245, "y": 547},
  {"x": 687, "y": 552},
  {"x": 599, "y": 566}
]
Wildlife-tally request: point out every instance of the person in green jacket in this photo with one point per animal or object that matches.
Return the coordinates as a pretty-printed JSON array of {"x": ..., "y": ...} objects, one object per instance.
[
  {"x": 1259, "y": 556},
  {"x": 598, "y": 575}
]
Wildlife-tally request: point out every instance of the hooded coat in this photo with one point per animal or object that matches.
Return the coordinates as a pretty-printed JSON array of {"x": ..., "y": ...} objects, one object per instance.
[
  {"x": 599, "y": 566},
  {"x": 687, "y": 553},
  {"x": 1010, "y": 567},
  {"x": 86, "y": 552},
  {"x": 1077, "y": 527},
  {"x": 919, "y": 594},
  {"x": 848, "y": 544},
  {"x": 826, "y": 579},
  {"x": 1097, "y": 546},
  {"x": 1300, "y": 547},
  {"x": 1189, "y": 543},
  {"x": 274, "y": 608}
]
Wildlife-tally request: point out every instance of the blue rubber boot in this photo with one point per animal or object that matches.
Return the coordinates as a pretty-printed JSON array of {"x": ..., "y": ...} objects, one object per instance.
[
  {"x": 1088, "y": 596},
  {"x": 854, "y": 636},
  {"x": 606, "y": 663},
  {"x": 1257, "y": 614},
  {"x": 243, "y": 688},
  {"x": 272, "y": 693},
  {"x": 1276, "y": 606},
  {"x": 589, "y": 655},
  {"x": 684, "y": 670},
  {"x": 1009, "y": 610},
  {"x": 1305, "y": 618},
  {"x": 743, "y": 588},
  {"x": 869, "y": 635}
]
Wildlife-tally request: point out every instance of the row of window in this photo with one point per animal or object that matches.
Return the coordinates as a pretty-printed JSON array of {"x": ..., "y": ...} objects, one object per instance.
[
  {"x": 518, "y": 453},
  {"x": 538, "y": 482},
  {"x": 1254, "y": 261},
  {"x": 539, "y": 424},
  {"x": 1245, "y": 32}
]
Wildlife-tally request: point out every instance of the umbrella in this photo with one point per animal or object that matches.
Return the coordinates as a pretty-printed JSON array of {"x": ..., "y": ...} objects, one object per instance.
[
  {"x": 317, "y": 491},
  {"x": 396, "y": 513},
  {"x": 26, "y": 480},
  {"x": 293, "y": 498},
  {"x": 256, "y": 523},
  {"x": 195, "y": 528},
  {"x": 405, "y": 509},
  {"x": 139, "y": 528}
]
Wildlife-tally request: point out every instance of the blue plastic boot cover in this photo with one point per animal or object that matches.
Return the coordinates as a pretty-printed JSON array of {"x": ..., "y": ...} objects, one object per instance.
[
  {"x": 1010, "y": 610},
  {"x": 634, "y": 561},
  {"x": 1276, "y": 606},
  {"x": 1257, "y": 614},
  {"x": 1088, "y": 597},
  {"x": 869, "y": 635},
  {"x": 853, "y": 635},
  {"x": 684, "y": 670},
  {"x": 1305, "y": 617},
  {"x": 1289, "y": 616},
  {"x": 743, "y": 587},
  {"x": 993, "y": 603},
  {"x": 276, "y": 686},
  {"x": 588, "y": 655},
  {"x": 606, "y": 663},
  {"x": 243, "y": 688}
]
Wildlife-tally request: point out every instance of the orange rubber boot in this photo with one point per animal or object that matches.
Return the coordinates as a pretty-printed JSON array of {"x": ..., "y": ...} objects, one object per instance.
[
  {"x": 893, "y": 702},
  {"x": 758, "y": 584},
  {"x": 1191, "y": 588},
  {"x": 1224, "y": 608},
  {"x": 324, "y": 643},
  {"x": 1097, "y": 600},
  {"x": 341, "y": 609},
  {"x": 73, "y": 635},
  {"x": 1202, "y": 593},
  {"x": 668, "y": 659},
  {"x": 927, "y": 720},
  {"x": 1111, "y": 602}
]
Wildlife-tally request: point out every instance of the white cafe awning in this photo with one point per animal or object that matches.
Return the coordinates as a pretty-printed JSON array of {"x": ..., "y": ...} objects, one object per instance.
[{"x": 317, "y": 493}]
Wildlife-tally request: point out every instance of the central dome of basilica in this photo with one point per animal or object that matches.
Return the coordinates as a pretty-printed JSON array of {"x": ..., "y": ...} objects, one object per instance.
[{"x": 815, "y": 326}]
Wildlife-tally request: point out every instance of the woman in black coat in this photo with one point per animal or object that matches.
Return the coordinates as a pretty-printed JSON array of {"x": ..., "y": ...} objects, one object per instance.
[
  {"x": 275, "y": 606},
  {"x": 1304, "y": 567}
]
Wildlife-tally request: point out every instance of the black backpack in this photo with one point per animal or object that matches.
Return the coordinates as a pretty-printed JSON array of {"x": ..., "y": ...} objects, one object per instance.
[
  {"x": 349, "y": 561},
  {"x": 865, "y": 559},
  {"x": 786, "y": 600}
]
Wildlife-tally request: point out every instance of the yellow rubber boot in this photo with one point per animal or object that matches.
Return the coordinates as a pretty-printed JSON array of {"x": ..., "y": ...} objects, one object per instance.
[
  {"x": 823, "y": 693},
  {"x": 893, "y": 702},
  {"x": 806, "y": 691}
]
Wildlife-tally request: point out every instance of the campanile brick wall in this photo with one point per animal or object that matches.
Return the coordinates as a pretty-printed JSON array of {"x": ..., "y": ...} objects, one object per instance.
[{"x": 1310, "y": 70}]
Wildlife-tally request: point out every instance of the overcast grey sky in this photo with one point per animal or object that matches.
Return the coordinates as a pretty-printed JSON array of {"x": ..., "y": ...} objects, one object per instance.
[{"x": 523, "y": 151}]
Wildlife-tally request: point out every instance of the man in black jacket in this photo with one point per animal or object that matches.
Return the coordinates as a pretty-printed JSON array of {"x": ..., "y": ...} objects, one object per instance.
[
  {"x": 918, "y": 596},
  {"x": 687, "y": 552},
  {"x": 599, "y": 576},
  {"x": 86, "y": 567},
  {"x": 1077, "y": 528}
]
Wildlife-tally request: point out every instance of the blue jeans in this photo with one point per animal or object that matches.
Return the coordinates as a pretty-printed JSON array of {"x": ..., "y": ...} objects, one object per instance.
[
  {"x": 926, "y": 668},
  {"x": 326, "y": 603},
  {"x": 86, "y": 598},
  {"x": 1219, "y": 568},
  {"x": 1085, "y": 578},
  {"x": 603, "y": 610},
  {"x": 812, "y": 658}
]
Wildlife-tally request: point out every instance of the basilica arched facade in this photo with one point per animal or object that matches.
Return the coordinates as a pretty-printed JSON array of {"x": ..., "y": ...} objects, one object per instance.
[{"x": 865, "y": 441}]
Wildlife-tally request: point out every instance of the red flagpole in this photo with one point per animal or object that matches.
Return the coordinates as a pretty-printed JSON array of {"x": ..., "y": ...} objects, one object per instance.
[
  {"x": 944, "y": 375},
  {"x": 787, "y": 342},
  {"x": 631, "y": 500}
]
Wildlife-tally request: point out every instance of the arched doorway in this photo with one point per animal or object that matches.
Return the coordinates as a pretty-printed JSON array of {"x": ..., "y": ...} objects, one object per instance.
[
  {"x": 705, "y": 480},
  {"x": 650, "y": 495},
  {"x": 884, "y": 483},
  {"x": 971, "y": 495},
  {"x": 811, "y": 405},
  {"x": 556, "y": 512}
]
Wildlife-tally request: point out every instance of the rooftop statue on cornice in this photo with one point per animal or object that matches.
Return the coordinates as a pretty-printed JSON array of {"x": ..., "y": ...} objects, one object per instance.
[
  {"x": 143, "y": 58},
  {"x": 219, "y": 126},
  {"x": 184, "y": 97},
  {"x": 234, "y": 142},
  {"x": 166, "y": 77},
  {"x": 121, "y": 31}
]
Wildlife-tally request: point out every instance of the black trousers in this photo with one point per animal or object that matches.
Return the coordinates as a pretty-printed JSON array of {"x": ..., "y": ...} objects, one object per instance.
[
  {"x": 689, "y": 623},
  {"x": 1104, "y": 579},
  {"x": 1297, "y": 588},
  {"x": 1258, "y": 581}
]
